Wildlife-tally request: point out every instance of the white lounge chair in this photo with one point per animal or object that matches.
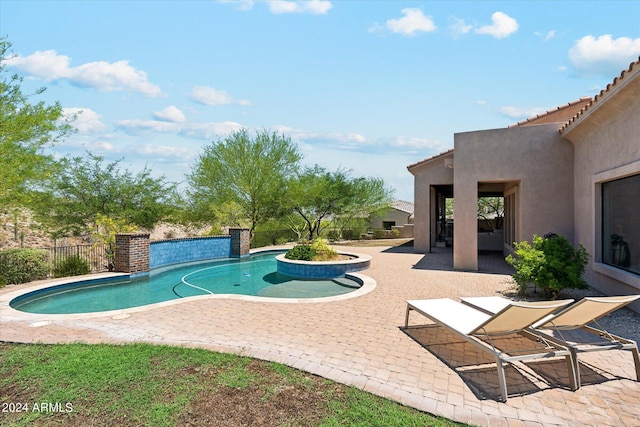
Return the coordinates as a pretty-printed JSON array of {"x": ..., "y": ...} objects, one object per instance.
[
  {"x": 577, "y": 316},
  {"x": 479, "y": 327}
]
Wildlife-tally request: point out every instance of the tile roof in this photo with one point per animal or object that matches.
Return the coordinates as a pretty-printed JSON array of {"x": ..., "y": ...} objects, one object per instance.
[
  {"x": 634, "y": 68},
  {"x": 559, "y": 114},
  {"x": 403, "y": 206},
  {"x": 427, "y": 160}
]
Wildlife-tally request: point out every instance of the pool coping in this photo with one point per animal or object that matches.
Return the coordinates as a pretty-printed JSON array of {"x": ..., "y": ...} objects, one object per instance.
[{"x": 9, "y": 313}]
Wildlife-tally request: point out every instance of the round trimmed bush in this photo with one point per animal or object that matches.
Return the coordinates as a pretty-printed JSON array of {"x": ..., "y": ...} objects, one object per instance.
[{"x": 24, "y": 265}]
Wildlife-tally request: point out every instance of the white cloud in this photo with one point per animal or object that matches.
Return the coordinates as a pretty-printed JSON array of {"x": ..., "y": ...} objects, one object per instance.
[
  {"x": 209, "y": 130},
  {"x": 459, "y": 26},
  {"x": 307, "y": 135},
  {"x": 103, "y": 146},
  {"x": 413, "y": 21},
  {"x": 206, "y": 95},
  {"x": 603, "y": 56},
  {"x": 314, "y": 7},
  {"x": 417, "y": 143},
  {"x": 101, "y": 75},
  {"x": 550, "y": 34},
  {"x": 167, "y": 151},
  {"x": 86, "y": 120},
  {"x": 192, "y": 130},
  {"x": 170, "y": 114},
  {"x": 502, "y": 25},
  {"x": 521, "y": 112}
]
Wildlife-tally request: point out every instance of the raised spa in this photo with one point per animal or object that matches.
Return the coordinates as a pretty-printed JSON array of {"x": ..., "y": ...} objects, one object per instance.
[{"x": 322, "y": 269}]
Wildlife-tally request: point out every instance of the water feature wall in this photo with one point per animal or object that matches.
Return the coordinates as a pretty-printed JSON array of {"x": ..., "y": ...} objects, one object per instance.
[
  {"x": 135, "y": 254},
  {"x": 174, "y": 251}
]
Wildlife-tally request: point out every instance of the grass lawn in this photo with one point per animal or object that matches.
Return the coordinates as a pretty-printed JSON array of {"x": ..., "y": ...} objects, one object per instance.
[{"x": 143, "y": 384}]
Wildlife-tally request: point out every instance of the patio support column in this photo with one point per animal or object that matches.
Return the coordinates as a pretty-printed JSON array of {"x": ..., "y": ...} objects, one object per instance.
[{"x": 465, "y": 235}]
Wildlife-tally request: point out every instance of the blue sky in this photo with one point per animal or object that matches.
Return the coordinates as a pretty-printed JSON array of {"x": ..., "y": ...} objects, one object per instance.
[{"x": 371, "y": 86}]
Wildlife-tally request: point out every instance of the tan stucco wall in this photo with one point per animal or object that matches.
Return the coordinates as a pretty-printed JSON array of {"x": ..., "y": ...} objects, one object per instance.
[
  {"x": 607, "y": 147},
  {"x": 533, "y": 156},
  {"x": 400, "y": 217},
  {"x": 427, "y": 174}
]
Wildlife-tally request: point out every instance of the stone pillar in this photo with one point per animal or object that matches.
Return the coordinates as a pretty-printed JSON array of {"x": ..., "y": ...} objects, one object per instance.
[
  {"x": 240, "y": 242},
  {"x": 132, "y": 253}
]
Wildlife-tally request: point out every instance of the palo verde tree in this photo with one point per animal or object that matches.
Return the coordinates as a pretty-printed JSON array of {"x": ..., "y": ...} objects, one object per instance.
[
  {"x": 246, "y": 171},
  {"x": 26, "y": 129},
  {"x": 86, "y": 189},
  {"x": 317, "y": 195}
]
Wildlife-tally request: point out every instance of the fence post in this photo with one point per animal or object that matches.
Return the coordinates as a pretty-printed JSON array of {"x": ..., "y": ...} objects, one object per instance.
[
  {"x": 132, "y": 253},
  {"x": 240, "y": 242}
]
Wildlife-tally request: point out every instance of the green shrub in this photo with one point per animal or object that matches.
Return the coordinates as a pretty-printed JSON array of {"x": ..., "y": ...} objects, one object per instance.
[
  {"x": 302, "y": 252},
  {"x": 24, "y": 265},
  {"x": 73, "y": 265},
  {"x": 379, "y": 233},
  {"x": 551, "y": 263},
  {"x": 319, "y": 250},
  {"x": 281, "y": 240},
  {"x": 351, "y": 234},
  {"x": 334, "y": 235},
  {"x": 323, "y": 251}
]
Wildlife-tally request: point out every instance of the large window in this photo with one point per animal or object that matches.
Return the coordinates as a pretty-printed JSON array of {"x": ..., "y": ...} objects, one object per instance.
[{"x": 621, "y": 223}]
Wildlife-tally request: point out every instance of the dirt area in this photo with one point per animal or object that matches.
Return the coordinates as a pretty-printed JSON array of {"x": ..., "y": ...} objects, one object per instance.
[{"x": 18, "y": 229}]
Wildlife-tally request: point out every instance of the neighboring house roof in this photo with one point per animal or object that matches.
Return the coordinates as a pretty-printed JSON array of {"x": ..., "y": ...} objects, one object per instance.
[
  {"x": 403, "y": 206},
  {"x": 606, "y": 93},
  {"x": 430, "y": 159},
  {"x": 560, "y": 114}
]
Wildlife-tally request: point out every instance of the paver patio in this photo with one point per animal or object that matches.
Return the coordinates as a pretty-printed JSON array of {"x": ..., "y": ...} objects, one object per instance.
[{"x": 360, "y": 342}]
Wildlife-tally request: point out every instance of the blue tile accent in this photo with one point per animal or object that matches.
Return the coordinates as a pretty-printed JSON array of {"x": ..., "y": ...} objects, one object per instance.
[
  {"x": 307, "y": 270},
  {"x": 174, "y": 251}
]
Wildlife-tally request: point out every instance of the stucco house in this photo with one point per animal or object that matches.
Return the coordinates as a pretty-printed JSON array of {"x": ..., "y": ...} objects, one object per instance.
[
  {"x": 573, "y": 171},
  {"x": 398, "y": 216}
]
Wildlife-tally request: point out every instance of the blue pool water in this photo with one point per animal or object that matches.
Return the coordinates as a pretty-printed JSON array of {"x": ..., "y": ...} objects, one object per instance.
[{"x": 255, "y": 275}]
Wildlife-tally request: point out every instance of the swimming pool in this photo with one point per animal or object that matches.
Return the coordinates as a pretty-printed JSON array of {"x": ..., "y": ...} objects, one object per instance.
[{"x": 255, "y": 275}]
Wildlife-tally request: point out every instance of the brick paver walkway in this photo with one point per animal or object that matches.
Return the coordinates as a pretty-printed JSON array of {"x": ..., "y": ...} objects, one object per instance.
[{"x": 360, "y": 342}]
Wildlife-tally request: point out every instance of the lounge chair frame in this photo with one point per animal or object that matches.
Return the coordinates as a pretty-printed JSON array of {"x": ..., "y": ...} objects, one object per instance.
[
  {"x": 558, "y": 323},
  {"x": 488, "y": 326}
]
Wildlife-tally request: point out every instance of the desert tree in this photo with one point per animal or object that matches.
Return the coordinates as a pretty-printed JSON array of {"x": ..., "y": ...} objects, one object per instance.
[
  {"x": 88, "y": 188},
  {"x": 27, "y": 127},
  {"x": 246, "y": 171}
]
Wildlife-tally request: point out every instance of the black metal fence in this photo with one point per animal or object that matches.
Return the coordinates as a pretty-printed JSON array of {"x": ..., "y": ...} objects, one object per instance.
[
  {"x": 24, "y": 264},
  {"x": 98, "y": 256}
]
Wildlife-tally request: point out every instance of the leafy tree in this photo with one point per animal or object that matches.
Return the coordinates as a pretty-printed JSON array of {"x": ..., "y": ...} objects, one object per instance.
[
  {"x": 247, "y": 171},
  {"x": 491, "y": 211},
  {"x": 85, "y": 190},
  {"x": 318, "y": 195},
  {"x": 26, "y": 128}
]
